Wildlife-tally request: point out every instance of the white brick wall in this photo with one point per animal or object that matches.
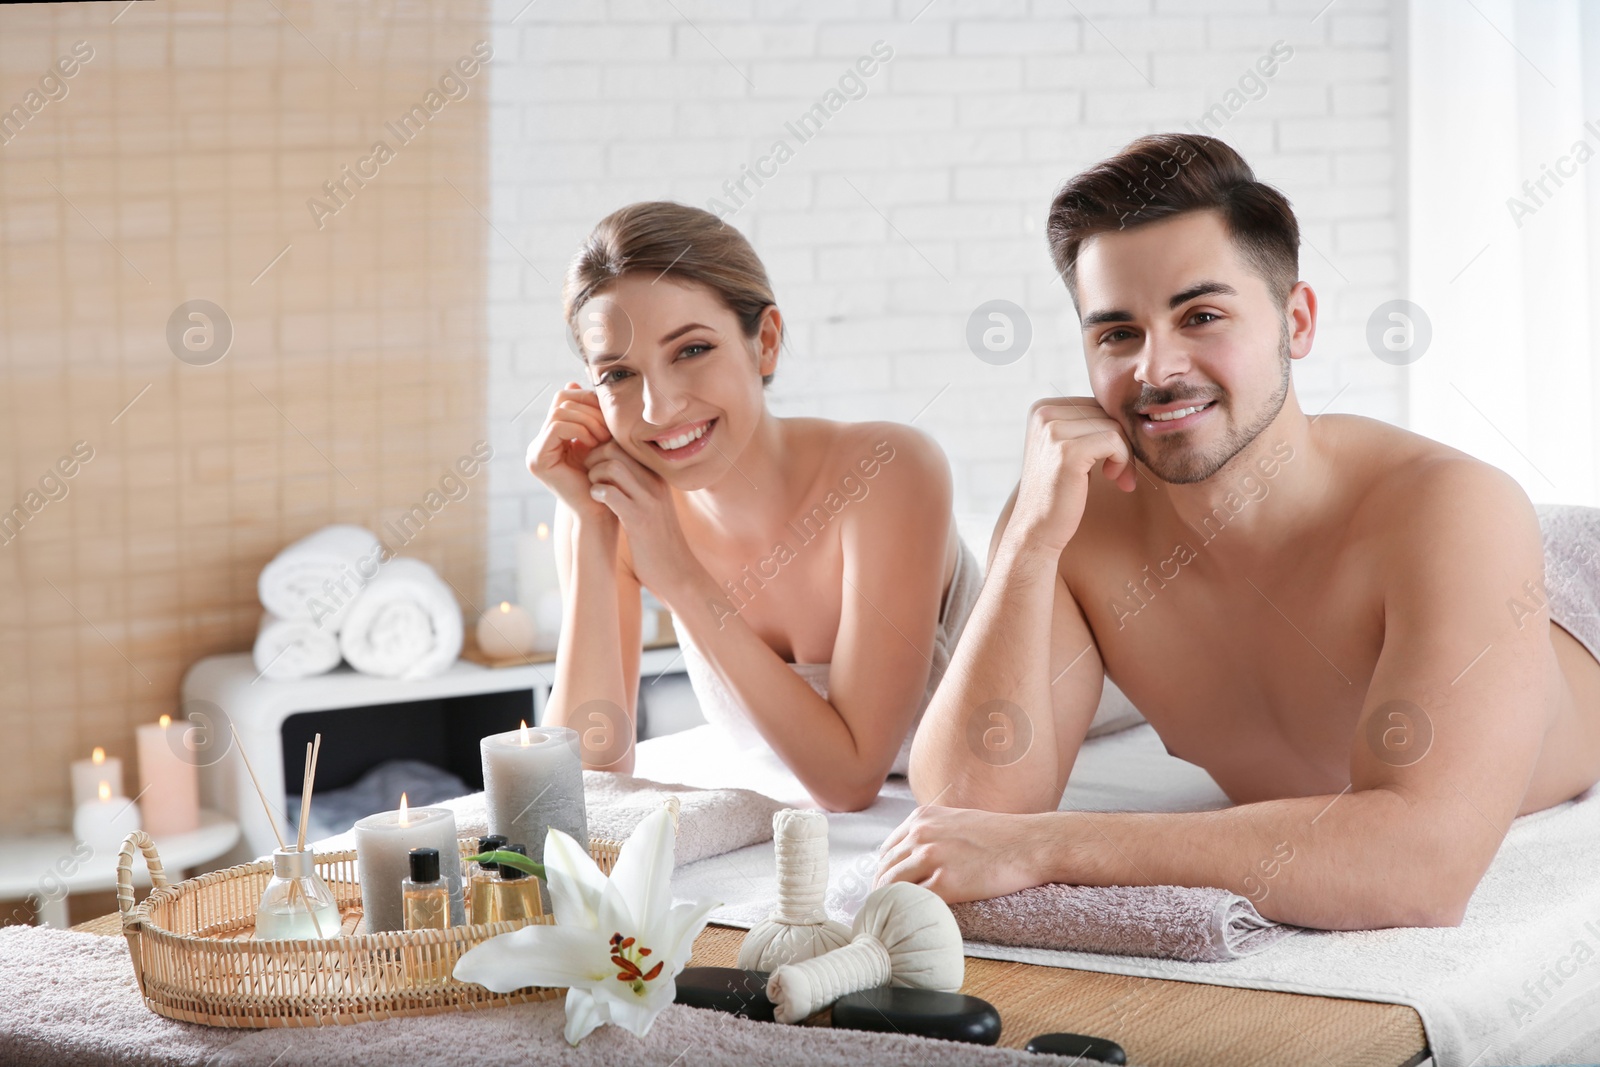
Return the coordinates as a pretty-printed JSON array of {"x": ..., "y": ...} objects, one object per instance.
[{"x": 959, "y": 143}]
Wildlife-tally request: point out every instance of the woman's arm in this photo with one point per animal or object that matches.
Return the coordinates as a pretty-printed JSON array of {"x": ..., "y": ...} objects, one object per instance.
[
  {"x": 894, "y": 537},
  {"x": 595, "y": 692}
]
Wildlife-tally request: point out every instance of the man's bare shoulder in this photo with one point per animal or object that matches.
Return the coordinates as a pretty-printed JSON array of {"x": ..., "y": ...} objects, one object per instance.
[{"x": 1397, "y": 481}]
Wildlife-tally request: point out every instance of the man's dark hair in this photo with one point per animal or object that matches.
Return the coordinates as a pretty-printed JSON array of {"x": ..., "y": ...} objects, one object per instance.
[{"x": 1167, "y": 174}]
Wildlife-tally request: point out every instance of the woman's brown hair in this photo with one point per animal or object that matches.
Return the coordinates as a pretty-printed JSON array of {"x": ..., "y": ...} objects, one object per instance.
[
  {"x": 688, "y": 243},
  {"x": 1167, "y": 174}
]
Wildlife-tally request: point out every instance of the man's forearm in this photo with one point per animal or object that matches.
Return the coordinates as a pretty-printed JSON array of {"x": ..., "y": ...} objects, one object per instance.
[
  {"x": 1358, "y": 860},
  {"x": 987, "y": 739}
]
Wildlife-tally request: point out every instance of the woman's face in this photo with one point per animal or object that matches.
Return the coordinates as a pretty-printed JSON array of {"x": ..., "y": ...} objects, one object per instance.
[{"x": 679, "y": 383}]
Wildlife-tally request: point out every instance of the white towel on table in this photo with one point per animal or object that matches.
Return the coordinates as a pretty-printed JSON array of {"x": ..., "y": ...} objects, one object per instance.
[
  {"x": 319, "y": 576},
  {"x": 286, "y": 649},
  {"x": 405, "y": 624}
]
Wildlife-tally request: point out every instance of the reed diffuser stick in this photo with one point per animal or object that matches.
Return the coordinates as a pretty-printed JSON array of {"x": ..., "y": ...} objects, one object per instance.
[
  {"x": 313, "y": 750},
  {"x": 257, "y": 783}
]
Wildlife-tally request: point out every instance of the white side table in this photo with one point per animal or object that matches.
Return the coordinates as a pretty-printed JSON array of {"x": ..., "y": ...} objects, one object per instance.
[{"x": 50, "y": 867}]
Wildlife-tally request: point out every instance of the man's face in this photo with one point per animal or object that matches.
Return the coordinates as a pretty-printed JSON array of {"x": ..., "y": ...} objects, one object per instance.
[{"x": 1184, "y": 342}]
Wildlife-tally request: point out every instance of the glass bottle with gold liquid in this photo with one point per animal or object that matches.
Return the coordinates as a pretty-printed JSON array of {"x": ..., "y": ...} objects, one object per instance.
[{"x": 426, "y": 902}]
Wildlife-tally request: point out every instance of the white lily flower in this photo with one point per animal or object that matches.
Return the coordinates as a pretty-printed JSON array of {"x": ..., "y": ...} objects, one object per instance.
[{"x": 618, "y": 943}]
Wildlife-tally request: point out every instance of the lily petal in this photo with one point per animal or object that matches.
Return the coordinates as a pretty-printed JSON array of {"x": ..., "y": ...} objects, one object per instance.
[
  {"x": 584, "y": 1013},
  {"x": 632, "y": 1012},
  {"x": 681, "y": 926},
  {"x": 576, "y": 884},
  {"x": 541, "y": 955},
  {"x": 643, "y": 874}
]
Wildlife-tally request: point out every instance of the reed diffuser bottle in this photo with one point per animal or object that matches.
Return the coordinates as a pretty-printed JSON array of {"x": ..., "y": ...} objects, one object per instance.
[{"x": 297, "y": 902}]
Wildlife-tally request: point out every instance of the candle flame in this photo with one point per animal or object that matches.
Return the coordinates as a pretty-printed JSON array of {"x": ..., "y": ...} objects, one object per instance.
[
  {"x": 544, "y": 531},
  {"x": 403, "y": 820},
  {"x": 99, "y": 755},
  {"x": 166, "y": 721},
  {"x": 505, "y": 607},
  {"x": 525, "y": 740},
  {"x": 105, "y": 790}
]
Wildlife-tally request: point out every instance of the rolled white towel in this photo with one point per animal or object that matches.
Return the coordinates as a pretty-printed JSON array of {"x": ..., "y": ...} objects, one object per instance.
[
  {"x": 317, "y": 578},
  {"x": 286, "y": 649},
  {"x": 405, "y": 624}
]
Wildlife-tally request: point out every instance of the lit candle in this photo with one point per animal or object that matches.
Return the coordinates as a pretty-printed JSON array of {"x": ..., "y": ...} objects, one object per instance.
[
  {"x": 533, "y": 780},
  {"x": 383, "y": 849},
  {"x": 103, "y": 822},
  {"x": 506, "y": 632},
  {"x": 538, "y": 586},
  {"x": 169, "y": 780},
  {"x": 87, "y": 774}
]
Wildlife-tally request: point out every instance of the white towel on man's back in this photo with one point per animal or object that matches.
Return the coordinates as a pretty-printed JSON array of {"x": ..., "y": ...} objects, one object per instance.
[
  {"x": 405, "y": 624},
  {"x": 317, "y": 578},
  {"x": 286, "y": 649}
]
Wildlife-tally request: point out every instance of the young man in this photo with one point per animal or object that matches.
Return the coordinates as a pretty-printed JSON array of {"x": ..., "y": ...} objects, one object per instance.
[{"x": 1345, "y": 624}]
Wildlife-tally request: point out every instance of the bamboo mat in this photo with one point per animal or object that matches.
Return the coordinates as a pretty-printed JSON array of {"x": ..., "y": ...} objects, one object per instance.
[{"x": 1159, "y": 1023}]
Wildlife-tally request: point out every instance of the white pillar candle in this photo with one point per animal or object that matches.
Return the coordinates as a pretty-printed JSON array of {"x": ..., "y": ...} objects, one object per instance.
[
  {"x": 103, "y": 822},
  {"x": 87, "y": 774},
  {"x": 383, "y": 849},
  {"x": 538, "y": 585},
  {"x": 506, "y": 631},
  {"x": 169, "y": 780},
  {"x": 533, "y": 780}
]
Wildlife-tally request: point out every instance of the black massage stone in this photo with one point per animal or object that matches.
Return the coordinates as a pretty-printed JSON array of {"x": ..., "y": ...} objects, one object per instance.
[
  {"x": 728, "y": 989},
  {"x": 1088, "y": 1048},
  {"x": 925, "y": 1012}
]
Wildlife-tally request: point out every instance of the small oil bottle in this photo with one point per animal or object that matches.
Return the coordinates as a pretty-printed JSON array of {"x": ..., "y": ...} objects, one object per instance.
[
  {"x": 426, "y": 898},
  {"x": 516, "y": 893},
  {"x": 480, "y": 879}
]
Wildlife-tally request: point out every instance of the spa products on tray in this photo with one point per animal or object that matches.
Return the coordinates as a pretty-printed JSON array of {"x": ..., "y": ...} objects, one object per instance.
[
  {"x": 383, "y": 859},
  {"x": 425, "y": 898},
  {"x": 903, "y": 935},
  {"x": 532, "y": 781},
  {"x": 799, "y": 928},
  {"x": 297, "y": 903}
]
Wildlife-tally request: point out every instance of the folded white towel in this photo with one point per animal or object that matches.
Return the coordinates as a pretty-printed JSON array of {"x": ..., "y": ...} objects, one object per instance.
[
  {"x": 405, "y": 624},
  {"x": 317, "y": 578},
  {"x": 286, "y": 649}
]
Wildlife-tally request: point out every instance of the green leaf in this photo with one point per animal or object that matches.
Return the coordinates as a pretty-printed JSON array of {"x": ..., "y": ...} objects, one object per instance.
[{"x": 503, "y": 858}]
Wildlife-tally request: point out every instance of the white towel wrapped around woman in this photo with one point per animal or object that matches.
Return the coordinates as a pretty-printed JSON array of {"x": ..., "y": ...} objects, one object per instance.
[
  {"x": 318, "y": 577},
  {"x": 405, "y": 624},
  {"x": 286, "y": 649}
]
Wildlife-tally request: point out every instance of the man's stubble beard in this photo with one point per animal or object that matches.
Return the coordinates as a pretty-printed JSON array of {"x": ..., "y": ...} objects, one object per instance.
[{"x": 1186, "y": 466}]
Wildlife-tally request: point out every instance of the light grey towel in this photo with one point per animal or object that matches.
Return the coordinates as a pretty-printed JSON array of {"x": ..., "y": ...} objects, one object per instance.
[
  {"x": 710, "y": 821},
  {"x": 70, "y": 998},
  {"x": 1572, "y": 570},
  {"x": 1162, "y": 921}
]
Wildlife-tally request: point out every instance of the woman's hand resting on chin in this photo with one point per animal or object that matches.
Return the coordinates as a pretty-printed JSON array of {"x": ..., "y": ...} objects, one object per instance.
[
  {"x": 642, "y": 502},
  {"x": 558, "y": 455}
]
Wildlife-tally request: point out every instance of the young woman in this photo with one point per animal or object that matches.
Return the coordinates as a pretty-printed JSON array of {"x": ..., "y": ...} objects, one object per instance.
[{"x": 812, "y": 567}]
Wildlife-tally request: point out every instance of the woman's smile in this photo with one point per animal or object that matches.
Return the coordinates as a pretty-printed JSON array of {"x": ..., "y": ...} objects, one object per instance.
[{"x": 681, "y": 442}]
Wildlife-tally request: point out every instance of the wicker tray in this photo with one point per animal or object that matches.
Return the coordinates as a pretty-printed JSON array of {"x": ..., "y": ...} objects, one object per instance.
[{"x": 196, "y": 960}]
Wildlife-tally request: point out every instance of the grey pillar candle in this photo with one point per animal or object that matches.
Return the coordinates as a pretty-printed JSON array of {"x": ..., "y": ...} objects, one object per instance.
[
  {"x": 383, "y": 848},
  {"x": 533, "y": 780}
]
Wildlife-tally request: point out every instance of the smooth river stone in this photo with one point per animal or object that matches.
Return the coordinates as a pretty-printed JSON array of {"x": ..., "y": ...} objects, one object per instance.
[
  {"x": 1097, "y": 1049},
  {"x": 728, "y": 989},
  {"x": 925, "y": 1012}
]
